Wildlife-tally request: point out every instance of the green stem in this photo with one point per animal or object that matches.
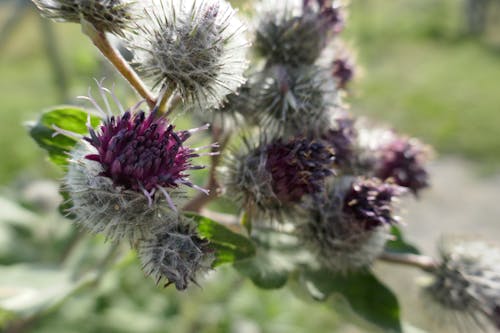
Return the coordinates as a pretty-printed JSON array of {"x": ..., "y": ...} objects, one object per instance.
[
  {"x": 425, "y": 263},
  {"x": 102, "y": 43}
]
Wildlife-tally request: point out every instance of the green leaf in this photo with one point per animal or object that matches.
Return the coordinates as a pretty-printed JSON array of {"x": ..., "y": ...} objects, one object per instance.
[
  {"x": 366, "y": 295},
  {"x": 278, "y": 255},
  {"x": 246, "y": 221},
  {"x": 229, "y": 246},
  {"x": 398, "y": 243},
  {"x": 13, "y": 213},
  {"x": 26, "y": 290},
  {"x": 67, "y": 118},
  {"x": 266, "y": 270}
]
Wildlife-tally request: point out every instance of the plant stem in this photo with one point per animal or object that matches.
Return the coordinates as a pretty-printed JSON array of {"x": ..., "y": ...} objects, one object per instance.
[
  {"x": 197, "y": 203},
  {"x": 102, "y": 43},
  {"x": 174, "y": 100},
  {"x": 167, "y": 93},
  {"x": 425, "y": 263},
  {"x": 104, "y": 264}
]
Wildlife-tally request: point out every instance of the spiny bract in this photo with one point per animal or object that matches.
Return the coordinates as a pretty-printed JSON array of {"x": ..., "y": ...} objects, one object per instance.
[
  {"x": 348, "y": 227},
  {"x": 294, "y": 101},
  {"x": 295, "y": 32},
  {"x": 196, "y": 47},
  {"x": 467, "y": 282},
  {"x": 176, "y": 253},
  {"x": 113, "y": 16}
]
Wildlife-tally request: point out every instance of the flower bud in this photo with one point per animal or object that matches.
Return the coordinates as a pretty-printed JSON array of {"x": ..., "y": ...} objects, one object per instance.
[
  {"x": 467, "y": 282},
  {"x": 196, "y": 47},
  {"x": 294, "y": 101},
  {"x": 291, "y": 34},
  {"x": 347, "y": 229},
  {"x": 112, "y": 16},
  {"x": 175, "y": 253}
]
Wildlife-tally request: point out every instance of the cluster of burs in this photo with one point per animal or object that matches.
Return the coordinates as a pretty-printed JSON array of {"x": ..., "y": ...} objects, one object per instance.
[{"x": 304, "y": 164}]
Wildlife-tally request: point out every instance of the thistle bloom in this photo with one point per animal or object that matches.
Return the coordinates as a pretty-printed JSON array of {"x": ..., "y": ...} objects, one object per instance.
[
  {"x": 113, "y": 16},
  {"x": 467, "y": 282},
  {"x": 370, "y": 202},
  {"x": 120, "y": 173},
  {"x": 175, "y": 253},
  {"x": 298, "y": 167},
  {"x": 279, "y": 174},
  {"x": 348, "y": 228},
  {"x": 195, "y": 47},
  {"x": 403, "y": 160}
]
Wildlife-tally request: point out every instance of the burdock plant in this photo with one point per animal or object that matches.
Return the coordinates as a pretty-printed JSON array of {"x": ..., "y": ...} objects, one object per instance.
[{"x": 314, "y": 190}]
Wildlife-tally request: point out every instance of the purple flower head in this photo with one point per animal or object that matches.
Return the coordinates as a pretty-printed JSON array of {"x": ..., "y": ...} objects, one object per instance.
[
  {"x": 403, "y": 161},
  {"x": 298, "y": 167},
  {"x": 342, "y": 139},
  {"x": 342, "y": 71},
  {"x": 370, "y": 201},
  {"x": 142, "y": 152},
  {"x": 134, "y": 152},
  {"x": 139, "y": 152}
]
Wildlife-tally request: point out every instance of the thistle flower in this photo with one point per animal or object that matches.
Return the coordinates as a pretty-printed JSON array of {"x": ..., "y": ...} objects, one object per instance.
[
  {"x": 120, "y": 174},
  {"x": 293, "y": 34},
  {"x": 348, "y": 228},
  {"x": 403, "y": 160},
  {"x": 195, "y": 47},
  {"x": 342, "y": 137},
  {"x": 278, "y": 174},
  {"x": 369, "y": 201},
  {"x": 294, "y": 101},
  {"x": 467, "y": 282},
  {"x": 175, "y": 253},
  {"x": 112, "y": 16}
]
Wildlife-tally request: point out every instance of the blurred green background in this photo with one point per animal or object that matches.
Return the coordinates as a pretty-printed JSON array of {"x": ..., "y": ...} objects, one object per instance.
[{"x": 423, "y": 72}]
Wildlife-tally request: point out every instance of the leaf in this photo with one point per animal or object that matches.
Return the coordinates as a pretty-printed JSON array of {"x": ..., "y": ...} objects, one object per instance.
[
  {"x": 13, "y": 213},
  {"x": 246, "y": 221},
  {"x": 366, "y": 295},
  {"x": 277, "y": 256},
  {"x": 266, "y": 270},
  {"x": 26, "y": 290},
  {"x": 68, "y": 118},
  {"x": 398, "y": 243},
  {"x": 229, "y": 246}
]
